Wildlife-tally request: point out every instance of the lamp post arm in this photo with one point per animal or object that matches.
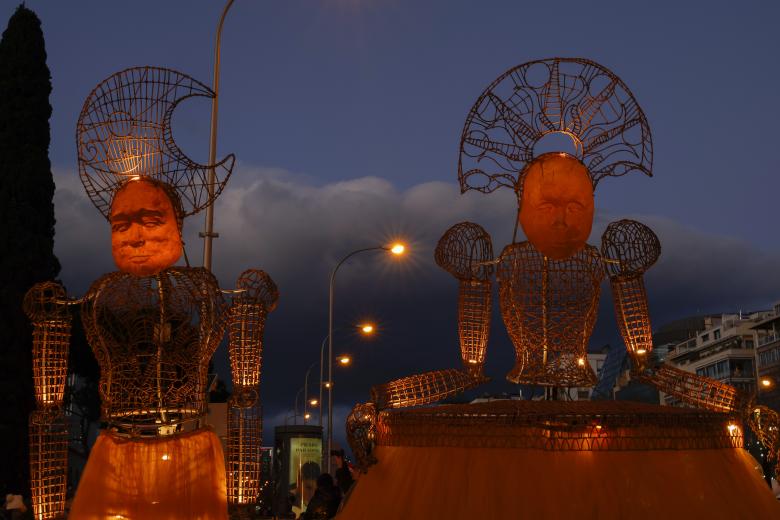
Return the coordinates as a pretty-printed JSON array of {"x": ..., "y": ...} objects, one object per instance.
[
  {"x": 330, "y": 341},
  {"x": 322, "y": 350}
]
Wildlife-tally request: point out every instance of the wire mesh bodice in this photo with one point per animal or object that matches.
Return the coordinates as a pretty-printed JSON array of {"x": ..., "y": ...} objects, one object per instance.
[
  {"x": 153, "y": 338},
  {"x": 549, "y": 308}
]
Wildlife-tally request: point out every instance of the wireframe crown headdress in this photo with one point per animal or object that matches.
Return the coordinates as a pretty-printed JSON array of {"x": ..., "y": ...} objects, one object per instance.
[
  {"x": 571, "y": 96},
  {"x": 124, "y": 133}
]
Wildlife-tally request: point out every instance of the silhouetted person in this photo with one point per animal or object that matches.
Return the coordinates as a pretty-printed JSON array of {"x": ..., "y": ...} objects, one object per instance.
[
  {"x": 344, "y": 478},
  {"x": 325, "y": 502}
]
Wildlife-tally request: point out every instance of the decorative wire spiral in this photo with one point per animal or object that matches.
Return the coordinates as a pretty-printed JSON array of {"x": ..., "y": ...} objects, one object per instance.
[
  {"x": 124, "y": 132},
  {"x": 570, "y": 96}
]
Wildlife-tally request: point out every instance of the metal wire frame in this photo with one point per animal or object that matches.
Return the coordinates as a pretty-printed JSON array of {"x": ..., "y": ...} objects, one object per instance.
[
  {"x": 633, "y": 316},
  {"x": 361, "y": 434},
  {"x": 466, "y": 252},
  {"x": 571, "y": 96},
  {"x": 629, "y": 248},
  {"x": 475, "y": 303},
  {"x": 425, "y": 388},
  {"x": 124, "y": 132},
  {"x": 695, "y": 390},
  {"x": 765, "y": 423},
  {"x": 153, "y": 338},
  {"x": 559, "y": 426},
  {"x": 245, "y": 438},
  {"x": 255, "y": 296},
  {"x": 48, "y": 463},
  {"x": 549, "y": 308},
  {"x": 44, "y": 305}
]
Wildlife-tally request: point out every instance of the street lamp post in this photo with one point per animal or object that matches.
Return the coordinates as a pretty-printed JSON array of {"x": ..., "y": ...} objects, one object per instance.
[
  {"x": 306, "y": 392},
  {"x": 208, "y": 234},
  {"x": 396, "y": 249}
]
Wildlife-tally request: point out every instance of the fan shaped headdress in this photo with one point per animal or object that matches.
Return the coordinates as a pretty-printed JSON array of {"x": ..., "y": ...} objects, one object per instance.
[
  {"x": 571, "y": 96},
  {"x": 124, "y": 133}
]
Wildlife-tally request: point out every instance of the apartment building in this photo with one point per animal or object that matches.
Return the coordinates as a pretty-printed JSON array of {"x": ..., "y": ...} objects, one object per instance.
[
  {"x": 724, "y": 350},
  {"x": 767, "y": 334}
]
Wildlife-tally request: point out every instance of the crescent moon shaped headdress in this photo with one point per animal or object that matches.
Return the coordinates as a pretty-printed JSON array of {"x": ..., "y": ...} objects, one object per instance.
[
  {"x": 571, "y": 96},
  {"x": 124, "y": 133}
]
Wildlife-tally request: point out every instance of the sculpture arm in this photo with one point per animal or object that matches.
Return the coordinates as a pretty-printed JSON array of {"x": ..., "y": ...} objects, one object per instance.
[
  {"x": 465, "y": 251},
  {"x": 256, "y": 295},
  {"x": 46, "y": 305},
  {"x": 630, "y": 248}
]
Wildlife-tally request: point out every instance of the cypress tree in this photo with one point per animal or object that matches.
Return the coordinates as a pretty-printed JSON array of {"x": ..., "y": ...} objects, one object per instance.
[{"x": 26, "y": 228}]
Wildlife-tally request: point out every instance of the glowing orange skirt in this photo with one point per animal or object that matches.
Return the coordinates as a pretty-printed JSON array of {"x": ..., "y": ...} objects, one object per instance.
[{"x": 167, "y": 478}]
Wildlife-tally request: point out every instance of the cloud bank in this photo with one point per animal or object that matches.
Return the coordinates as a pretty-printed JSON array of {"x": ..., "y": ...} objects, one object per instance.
[{"x": 297, "y": 230}]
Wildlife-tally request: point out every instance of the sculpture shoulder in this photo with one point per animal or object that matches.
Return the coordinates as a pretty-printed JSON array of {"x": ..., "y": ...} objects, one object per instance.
[{"x": 195, "y": 279}]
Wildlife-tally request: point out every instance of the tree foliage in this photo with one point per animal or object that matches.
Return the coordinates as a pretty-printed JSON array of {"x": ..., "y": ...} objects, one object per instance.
[{"x": 27, "y": 230}]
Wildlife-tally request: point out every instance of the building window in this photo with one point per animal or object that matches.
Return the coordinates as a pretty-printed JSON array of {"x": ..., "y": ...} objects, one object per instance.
[
  {"x": 749, "y": 343},
  {"x": 716, "y": 334},
  {"x": 705, "y": 337}
]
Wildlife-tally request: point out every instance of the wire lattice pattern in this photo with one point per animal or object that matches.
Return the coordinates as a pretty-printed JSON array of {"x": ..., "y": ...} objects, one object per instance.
[
  {"x": 571, "y": 96},
  {"x": 48, "y": 463},
  {"x": 45, "y": 305},
  {"x": 466, "y": 252},
  {"x": 124, "y": 132},
  {"x": 559, "y": 426},
  {"x": 549, "y": 308},
  {"x": 696, "y": 390},
  {"x": 153, "y": 338},
  {"x": 475, "y": 303},
  {"x": 420, "y": 389},
  {"x": 245, "y": 430},
  {"x": 629, "y": 248},
  {"x": 361, "y": 434},
  {"x": 765, "y": 423},
  {"x": 633, "y": 316},
  {"x": 257, "y": 296}
]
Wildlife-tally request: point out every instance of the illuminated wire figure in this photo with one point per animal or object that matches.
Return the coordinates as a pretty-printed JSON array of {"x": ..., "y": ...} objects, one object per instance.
[
  {"x": 153, "y": 327},
  {"x": 549, "y": 284}
]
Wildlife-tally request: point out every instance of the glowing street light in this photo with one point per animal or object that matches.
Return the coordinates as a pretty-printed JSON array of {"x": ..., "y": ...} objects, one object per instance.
[
  {"x": 396, "y": 249},
  {"x": 344, "y": 360},
  {"x": 314, "y": 402},
  {"x": 367, "y": 328},
  {"x": 766, "y": 382}
]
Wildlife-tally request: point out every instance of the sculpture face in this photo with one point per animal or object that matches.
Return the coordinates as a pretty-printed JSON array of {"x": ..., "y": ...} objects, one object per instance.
[
  {"x": 556, "y": 210},
  {"x": 145, "y": 236}
]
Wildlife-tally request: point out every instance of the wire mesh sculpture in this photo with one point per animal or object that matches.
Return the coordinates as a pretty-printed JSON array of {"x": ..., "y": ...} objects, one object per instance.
[
  {"x": 550, "y": 283},
  {"x": 152, "y": 327},
  {"x": 256, "y": 296}
]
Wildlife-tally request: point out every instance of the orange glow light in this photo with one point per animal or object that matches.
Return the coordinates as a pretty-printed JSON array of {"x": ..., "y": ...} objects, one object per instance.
[
  {"x": 398, "y": 248},
  {"x": 367, "y": 328}
]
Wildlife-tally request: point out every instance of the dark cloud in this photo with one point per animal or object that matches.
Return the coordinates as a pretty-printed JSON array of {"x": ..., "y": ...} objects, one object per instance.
[{"x": 297, "y": 231}]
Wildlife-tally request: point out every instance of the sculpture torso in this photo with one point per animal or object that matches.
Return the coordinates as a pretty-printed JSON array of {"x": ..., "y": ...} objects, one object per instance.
[
  {"x": 549, "y": 308},
  {"x": 153, "y": 337}
]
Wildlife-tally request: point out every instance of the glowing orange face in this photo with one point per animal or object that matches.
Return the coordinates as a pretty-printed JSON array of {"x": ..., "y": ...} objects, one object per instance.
[
  {"x": 556, "y": 210},
  {"x": 145, "y": 236}
]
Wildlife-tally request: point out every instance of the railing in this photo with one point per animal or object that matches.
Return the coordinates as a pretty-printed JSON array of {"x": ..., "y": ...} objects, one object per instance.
[{"x": 768, "y": 339}]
